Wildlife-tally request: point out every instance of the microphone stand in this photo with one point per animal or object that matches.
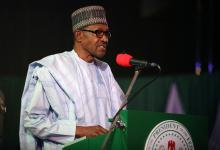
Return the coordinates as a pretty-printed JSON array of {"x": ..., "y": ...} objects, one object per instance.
[{"x": 115, "y": 121}]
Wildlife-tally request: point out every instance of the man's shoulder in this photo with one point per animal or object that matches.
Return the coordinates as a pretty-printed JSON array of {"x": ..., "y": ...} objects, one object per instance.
[
  {"x": 51, "y": 61},
  {"x": 54, "y": 58}
]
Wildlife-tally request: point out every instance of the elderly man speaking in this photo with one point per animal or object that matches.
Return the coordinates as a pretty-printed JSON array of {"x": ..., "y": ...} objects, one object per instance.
[{"x": 71, "y": 94}]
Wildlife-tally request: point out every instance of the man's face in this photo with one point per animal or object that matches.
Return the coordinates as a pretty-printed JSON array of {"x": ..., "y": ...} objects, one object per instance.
[{"x": 92, "y": 44}]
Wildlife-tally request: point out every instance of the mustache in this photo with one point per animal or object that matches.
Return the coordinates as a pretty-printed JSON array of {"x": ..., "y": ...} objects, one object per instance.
[{"x": 104, "y": 44}]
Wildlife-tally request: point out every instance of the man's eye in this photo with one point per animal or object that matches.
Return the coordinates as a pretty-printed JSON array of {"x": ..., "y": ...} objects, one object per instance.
[{"x": 98, "y": 32}]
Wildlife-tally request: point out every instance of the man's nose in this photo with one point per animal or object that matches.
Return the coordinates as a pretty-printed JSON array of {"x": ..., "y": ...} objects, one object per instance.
[{"x": 105, "y": 38}]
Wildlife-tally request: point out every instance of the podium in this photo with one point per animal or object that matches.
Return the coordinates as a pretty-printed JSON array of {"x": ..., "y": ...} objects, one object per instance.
[{"x": 152, "y": 130}]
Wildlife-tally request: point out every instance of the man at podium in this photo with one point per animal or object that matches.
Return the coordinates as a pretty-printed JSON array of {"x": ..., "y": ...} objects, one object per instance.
[{"x": 71, "y": 94}]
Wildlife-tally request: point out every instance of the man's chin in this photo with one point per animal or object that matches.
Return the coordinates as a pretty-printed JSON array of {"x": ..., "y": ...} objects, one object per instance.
[{"x": 101, "y": 55}]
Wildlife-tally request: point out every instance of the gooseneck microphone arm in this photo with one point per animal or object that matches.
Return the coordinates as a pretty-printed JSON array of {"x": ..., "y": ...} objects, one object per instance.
[
  {"x": 136, "y": 73},
  {"x": 116, "y": 117},
  {"x": 126, "y": 60}
]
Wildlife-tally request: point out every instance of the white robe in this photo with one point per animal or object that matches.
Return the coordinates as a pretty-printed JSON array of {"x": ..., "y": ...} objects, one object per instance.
[{"x": 62, "y": 91}]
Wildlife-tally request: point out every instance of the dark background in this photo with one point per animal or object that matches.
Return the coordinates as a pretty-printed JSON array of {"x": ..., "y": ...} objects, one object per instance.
[{"x": 171, "y": 33}]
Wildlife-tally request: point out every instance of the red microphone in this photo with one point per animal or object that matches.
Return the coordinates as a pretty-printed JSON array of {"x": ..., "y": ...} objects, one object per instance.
[{"x": 124, "y": 60}]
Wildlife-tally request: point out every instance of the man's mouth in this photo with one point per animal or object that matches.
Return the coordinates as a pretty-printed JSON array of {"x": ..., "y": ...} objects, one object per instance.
[{"x": 103, "y": 46}]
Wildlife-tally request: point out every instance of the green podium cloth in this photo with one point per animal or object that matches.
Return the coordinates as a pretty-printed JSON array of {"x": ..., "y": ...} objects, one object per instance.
[{"x": 139, "y": 125}]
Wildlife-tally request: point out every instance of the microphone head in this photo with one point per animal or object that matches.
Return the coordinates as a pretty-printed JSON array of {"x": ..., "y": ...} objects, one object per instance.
[{"x": 124, "y": 60}]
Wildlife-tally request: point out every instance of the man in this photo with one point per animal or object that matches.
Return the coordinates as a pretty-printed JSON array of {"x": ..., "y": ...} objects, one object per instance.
[{"x": 71, "y": 94}]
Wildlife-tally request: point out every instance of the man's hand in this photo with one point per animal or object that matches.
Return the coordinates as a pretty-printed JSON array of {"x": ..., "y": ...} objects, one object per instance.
[{"x": 90, "y": 131}]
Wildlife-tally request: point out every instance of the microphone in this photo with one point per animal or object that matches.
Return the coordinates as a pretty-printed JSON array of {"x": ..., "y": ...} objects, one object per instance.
[{"x": 126, "y": 60}]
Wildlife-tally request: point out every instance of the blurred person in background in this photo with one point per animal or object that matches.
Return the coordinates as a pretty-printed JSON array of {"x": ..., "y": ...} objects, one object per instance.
[{"x": 2, "y": 112}]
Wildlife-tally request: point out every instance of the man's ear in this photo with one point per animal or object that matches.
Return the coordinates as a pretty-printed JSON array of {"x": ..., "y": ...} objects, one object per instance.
[{"x": 78, "y": 36}]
